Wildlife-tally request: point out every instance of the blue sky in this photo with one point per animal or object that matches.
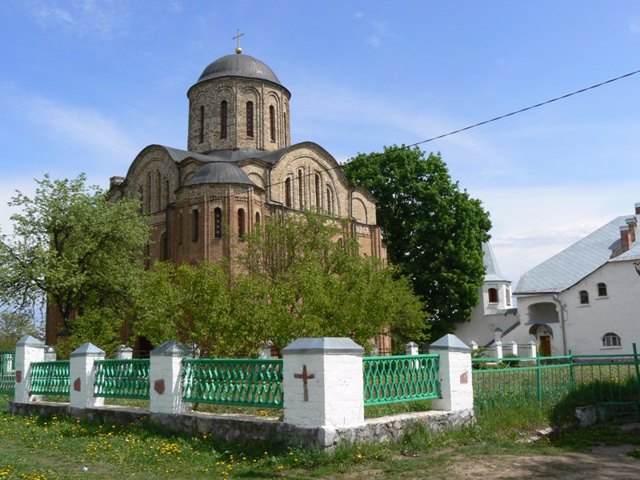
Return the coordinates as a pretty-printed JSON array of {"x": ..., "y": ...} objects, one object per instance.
[{"x": 85, "y": 85}]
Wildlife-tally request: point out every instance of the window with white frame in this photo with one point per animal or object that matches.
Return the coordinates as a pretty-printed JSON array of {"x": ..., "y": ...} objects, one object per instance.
[{"x": 610, "y": 340}]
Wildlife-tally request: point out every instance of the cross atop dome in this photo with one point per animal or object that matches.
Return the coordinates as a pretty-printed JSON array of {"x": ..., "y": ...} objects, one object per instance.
[{"x": 237, "y": 39}]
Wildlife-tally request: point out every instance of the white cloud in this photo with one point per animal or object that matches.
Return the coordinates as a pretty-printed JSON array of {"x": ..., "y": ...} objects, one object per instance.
[
  {"x": 377, "y": 30},
  {"x": 530, "y": 224},
  {"x": 82, "y": 126},
  {"x": 105, "y": 19}
]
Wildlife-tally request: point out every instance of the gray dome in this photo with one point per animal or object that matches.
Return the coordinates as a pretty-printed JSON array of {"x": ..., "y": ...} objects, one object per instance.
[
  {"x": 239, "y": 65},
  {"x": 220, "y": 172}
]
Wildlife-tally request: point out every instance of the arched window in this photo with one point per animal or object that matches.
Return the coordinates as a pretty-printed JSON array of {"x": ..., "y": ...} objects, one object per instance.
[
  {"x": 318, "y": 193},
  {"x": 329, "y": 201},
  {"x": 241, "y": 225},
  {"x": 584, "y": 297},
  {"x": 148, "y": 205},
  {"x": 249, "y": 119},
  {"x": 284, "y": 123},
  {"x": 258, "y": 219},
  {"x": 272, "y": 122},
  {"x": 493, "y": 295},
  {"x": 287, "y": 193},
  {"x": 217, "y": 222},
  {"x": 158, "y": 192},
  {"x": 602, "y": 289},
  {"x": 141, "y": 198},
  {"x": 611, "y": 340},
  {"x": 300, "y": 190},
  {"x": 223, "y": 119},
  {"x": 201, "y": 123},
  {"x": 195, "y": 225}
]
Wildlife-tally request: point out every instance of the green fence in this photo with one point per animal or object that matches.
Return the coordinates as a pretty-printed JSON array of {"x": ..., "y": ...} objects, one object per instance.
[
  {"x": 611, "y": 379},
  {"x": 400, "y": 378},
  {"x": 49, "y": 378},
  {"x": 7, "y": 372},
  {"x": 126, "y": 378},
  {"x": 243, "y": 382}
]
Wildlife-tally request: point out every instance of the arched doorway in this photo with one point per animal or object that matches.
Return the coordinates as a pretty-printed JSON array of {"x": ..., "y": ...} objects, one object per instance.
[{"x": 543, "y": 334}]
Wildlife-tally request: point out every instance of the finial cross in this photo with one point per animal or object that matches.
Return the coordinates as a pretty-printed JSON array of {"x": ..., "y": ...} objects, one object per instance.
[
  {"x": 237, "y": 38},
  {"x": 304, "y": 376}
]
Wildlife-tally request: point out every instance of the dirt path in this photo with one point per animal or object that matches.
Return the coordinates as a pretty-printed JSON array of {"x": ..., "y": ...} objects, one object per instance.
[{"x": 601, "y": 463}]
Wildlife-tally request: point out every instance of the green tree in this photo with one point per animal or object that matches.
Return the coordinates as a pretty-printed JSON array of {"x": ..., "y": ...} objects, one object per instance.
[
  {"x": 433, "y": 230},
  {"x": 314, "y": 285},
  {"x": 13, "y": 326},
  {"x": 72, "y": 250},
  {"x": 295, "y": 281}
]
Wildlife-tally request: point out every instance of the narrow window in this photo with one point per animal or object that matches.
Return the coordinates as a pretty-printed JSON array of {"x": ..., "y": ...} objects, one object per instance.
[
  {"x": 300, "y": 190},
  {"x": 584, "y": 297},
  {"x": 329, "y": 202},
  {"x": 196, "y": 225},
  {"x": 148, "y": 205},
  {"x": 493, "y": 295},
  {"x": 167, "y": 192},
  {"x": 158, "y": 192},
  {"x": 223, "y": 119},
  {"x": 284, "y": 123},
  {"x": 201, "y": 123},
  {"x": 141, "y": 198},
  {"x": 217, "y": 222},
  {"x": 258, "y": 219},
  {"x": 611, "y": 340},
  {"x": 287, "y": 193},
  {"x": 318, "y": 191},
  {"x": 250, "y": 119},
  {"x": 602, "y": 289},
  {"x": 241, "y": 226},
  {"x": 272, "y": 122}
]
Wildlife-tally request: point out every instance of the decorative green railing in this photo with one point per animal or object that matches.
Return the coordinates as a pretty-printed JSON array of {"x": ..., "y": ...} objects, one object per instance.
[
  {"x": 126, "y": 378},
  {"x": 613, "y": 379},
  {"x": 244, "y": 382},
  {"x": 7, "y": 372},
  {"x": 400, "y": 378},
  {"x": 50, "y": 378}
]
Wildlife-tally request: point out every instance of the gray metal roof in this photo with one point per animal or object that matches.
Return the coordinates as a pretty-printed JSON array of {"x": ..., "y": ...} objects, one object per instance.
[
  {"x": 239, "y": 65},
  {"x": 492, "y": 270},
  {"x": 220, "y": 172},
  {"x": 229, "y": 156},
  {"x": 571, "y": 265}
]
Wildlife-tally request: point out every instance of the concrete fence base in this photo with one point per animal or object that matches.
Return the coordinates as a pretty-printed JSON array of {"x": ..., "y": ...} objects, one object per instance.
[{"x": 244, "y": 429}]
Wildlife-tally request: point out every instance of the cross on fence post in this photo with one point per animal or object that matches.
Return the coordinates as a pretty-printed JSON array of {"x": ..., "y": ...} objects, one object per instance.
[{"x": 305, "y": 376}]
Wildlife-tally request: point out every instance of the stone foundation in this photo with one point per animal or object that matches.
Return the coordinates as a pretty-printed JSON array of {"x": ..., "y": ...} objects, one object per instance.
[{"x": 244, "y": 429}]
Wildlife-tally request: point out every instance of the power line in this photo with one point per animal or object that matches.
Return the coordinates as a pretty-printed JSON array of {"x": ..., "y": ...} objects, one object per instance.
[{"x": 494, "y": 119}]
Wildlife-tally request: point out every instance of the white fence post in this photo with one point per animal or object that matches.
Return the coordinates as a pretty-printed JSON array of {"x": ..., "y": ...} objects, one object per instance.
[
  {"x": 81, "y": 366},
  {"x": 50, "y": 354},
  {"x": 454, "y": 374},
  {"x": 323, "y": 385},
  {"x": 533, "y": 349},
  {"x": 28, "y": 351},
  {"x": 514, "y": 348},
  {"x": 124, "y": 353},
  {"x": 473, "y": 345},
  {"x": 499, "y": 349},
  {"x": 411, "y": 348},
  {"x": 165, "y": 394},
  {"x": 265, "y": 350}
]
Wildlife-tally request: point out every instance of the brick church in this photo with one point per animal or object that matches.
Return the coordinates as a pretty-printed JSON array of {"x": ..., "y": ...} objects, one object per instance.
[{"x": 239, "y": 169}]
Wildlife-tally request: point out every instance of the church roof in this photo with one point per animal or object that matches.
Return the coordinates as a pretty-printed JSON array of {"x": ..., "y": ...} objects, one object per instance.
[
  {"x": 574, "y": 263},
  {"x": 220, "y": 172},
  {"x": 492, "y": 270},
  {"x": 239, "y": 65}
]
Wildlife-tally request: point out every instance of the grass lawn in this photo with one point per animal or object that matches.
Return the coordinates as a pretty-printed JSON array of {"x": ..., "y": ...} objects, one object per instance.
[{"x": 62, "y": 448}]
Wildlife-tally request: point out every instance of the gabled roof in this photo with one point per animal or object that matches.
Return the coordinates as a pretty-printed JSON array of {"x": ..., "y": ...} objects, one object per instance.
[
  {"x": 491, "y": 268},
  {"x": 574, "y": 263}
]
